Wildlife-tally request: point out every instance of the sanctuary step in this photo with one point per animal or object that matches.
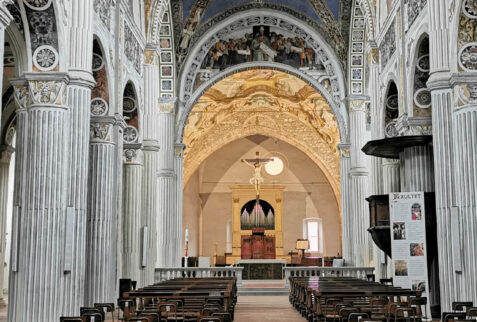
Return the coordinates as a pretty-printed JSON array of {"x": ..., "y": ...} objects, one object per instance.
[{"x": 263, "y": 288}]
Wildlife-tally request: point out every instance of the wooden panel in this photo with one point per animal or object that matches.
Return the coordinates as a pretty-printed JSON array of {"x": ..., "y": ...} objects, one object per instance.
[
  {"x": 258, "y": 247},
  {"x": 269, "y": 247},
  {"x": 246, "y": 247}
]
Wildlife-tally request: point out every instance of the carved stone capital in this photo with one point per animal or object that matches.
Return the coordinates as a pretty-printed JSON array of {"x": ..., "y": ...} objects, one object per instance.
[
  {"x": 151, "y": 54},
  {"x": 101, "y": 132},
  {"x": 357, "y": 105},
  {"x": 179, "y": 150},
  {"x": 166, "y": 105},
  {"x": 413, "y": 125},
  {"x": 41, "y": 89},
  {"x": 133, "y": 155},
  {"x": 345, "y": 151},
  {"x": 6, "y": 152}
]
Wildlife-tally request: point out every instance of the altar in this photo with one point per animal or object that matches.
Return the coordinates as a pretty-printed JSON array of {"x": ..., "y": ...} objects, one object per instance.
[{"x": 262, "y": 269}]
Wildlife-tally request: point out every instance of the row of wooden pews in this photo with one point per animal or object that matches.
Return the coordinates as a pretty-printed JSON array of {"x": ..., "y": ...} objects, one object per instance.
[
  {"x": 350, "y": 299},
  {"x": 185, "y": 300},
  {"x": 461, "y": 311},
  {"x": 97, "y": 313}
]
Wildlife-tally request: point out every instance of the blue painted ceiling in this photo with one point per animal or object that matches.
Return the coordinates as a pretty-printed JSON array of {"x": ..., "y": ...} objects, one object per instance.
[{"x": 216, "y": 6}]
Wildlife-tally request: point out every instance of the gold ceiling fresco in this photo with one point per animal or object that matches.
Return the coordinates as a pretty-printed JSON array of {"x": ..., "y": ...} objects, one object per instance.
[{"x": 266, "y": 102}]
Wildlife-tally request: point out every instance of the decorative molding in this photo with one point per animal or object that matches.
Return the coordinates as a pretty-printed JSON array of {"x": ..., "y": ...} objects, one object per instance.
[
  {"x": 41, "y": 89},
  {"x": 99, "y": 107},
  {"x": 133, "y": 156},
  {"x": 388, "y": 46},
  {"x": 166, "y": 105},
  {"x": 414, "y": 8},
  {"x": 132, "y": 48},
  {"x": 101, "y": 131},
  {"x": 179, "y": 150}
]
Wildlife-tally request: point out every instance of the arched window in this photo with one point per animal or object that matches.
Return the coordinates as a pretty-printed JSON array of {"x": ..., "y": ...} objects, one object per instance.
[{"x": 313, "y": 231}]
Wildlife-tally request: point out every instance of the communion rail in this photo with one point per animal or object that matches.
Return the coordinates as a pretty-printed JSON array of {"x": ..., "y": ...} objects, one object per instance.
[
  {"x": 303, "y": 271},
  {"x": 164, "y": 274}
]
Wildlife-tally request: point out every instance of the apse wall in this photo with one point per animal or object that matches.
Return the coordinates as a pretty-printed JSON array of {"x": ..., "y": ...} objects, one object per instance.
[{"x": 208, "y": 198}]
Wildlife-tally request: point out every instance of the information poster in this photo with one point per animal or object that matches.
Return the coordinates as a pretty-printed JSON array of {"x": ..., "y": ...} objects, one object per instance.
[{"x": 408, "y": 241}]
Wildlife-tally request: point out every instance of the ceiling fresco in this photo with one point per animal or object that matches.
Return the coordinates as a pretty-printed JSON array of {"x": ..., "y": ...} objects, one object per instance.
[{"x": 267, "y": 102}]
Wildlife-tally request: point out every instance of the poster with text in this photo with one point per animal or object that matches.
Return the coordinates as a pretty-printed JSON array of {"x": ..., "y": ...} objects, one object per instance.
[{"x": 408, "y": 241}]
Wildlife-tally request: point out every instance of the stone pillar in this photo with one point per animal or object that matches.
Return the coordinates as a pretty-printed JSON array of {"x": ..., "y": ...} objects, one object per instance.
[
  {"x": 41, "y": 254},
  {"x": 132, "y": 211},
  {"x": 391, "y": 176},
  {"x": 5, "y": 19},
  {"x": 101, "y": 210},
  {"x": 177, "y": 215},
  {"x": 377, "y": 118},
  {"x": 166, "y": 182},
  {"x": 418, "y": 169},
  {"x": 465, "y": 156},
  {"x": 79, "y": 99},
  {"x": 150, "y": 151},
  {"x": 442, "y": 130},
  {"x": 347, "y": 248},
  {"x": 359, "y": 209},
  {"x": 5, "y": 157}
]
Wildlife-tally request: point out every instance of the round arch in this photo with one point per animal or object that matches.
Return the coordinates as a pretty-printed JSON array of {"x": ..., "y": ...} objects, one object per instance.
[
  {"x": 253, "y": 130},
  {"x": 339, "y": 110},
  {"x": 273, "y": 18}
]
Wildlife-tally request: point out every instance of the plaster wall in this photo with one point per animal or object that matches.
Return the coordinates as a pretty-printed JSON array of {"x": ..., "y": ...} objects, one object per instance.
[{"x": 307, "y": 194}]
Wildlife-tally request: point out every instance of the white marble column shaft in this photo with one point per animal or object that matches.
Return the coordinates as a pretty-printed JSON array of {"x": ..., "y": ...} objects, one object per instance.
[
  {"x": 418, "y": 169},
  {"x": 359, "y": 208},
  {"x": 346, "y": 219},
  {"x": 465, "y": 138},
  {"x": 391, "y": 176},
  {"x": 166, "y": 184},
  {"x": 133, "y": 173},
  {"x": 40, "y": 254},
  {"x": 100, "y": 222},
  {"x": 5, "y": 157},
  {"x": 442, "y": 129},
  {"x": 148, "y": 218},
  {"x": 177, "y": 216},
  {"x": 79, "y": 98}
]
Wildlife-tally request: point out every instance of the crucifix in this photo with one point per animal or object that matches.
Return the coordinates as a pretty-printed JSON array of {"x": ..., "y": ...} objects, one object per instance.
[{"x": 257, "y": 164}]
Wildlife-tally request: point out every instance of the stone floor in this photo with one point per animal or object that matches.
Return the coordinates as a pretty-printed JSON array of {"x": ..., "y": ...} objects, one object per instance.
[{"x": 265, "y": 308}]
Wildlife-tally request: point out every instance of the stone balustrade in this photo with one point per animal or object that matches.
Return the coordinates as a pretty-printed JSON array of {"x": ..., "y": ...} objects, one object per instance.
[
  {"x": 164, "y": 274},
  {"x": 304, "y": 271}
]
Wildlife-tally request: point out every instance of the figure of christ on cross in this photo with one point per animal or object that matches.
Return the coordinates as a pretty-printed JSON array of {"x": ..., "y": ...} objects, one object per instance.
[{"x": 257, "y": 164}]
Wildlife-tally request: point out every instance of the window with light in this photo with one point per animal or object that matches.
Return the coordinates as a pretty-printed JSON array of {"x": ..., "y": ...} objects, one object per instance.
[{"x": 314, "y": 233}]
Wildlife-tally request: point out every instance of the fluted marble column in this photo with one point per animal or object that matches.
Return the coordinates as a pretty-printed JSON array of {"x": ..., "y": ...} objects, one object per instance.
[
  {"x": 177, "y": 215},
  {"x": 5, "y": 157},
  {"x": 391, "y": 176},
  {"x": 166, "y": 183},
  {"x": 79, "y": 98},
  {"x": 361, "y": 242},
  {"x": 41, "y": 255},
  {"x": 150, "y": 150},
  {"x": 132, "y": 211},
  {"x": 442, "y": 132},
  {"x": 465, "y": 138},
  {"x": 418, "y": 169},
  {"x": 346, "y": 220},
  {"x": 100, "y": 221}
]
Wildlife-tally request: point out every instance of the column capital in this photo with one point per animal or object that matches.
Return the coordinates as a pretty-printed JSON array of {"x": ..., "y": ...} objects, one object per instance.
[
  {"x": 357, "y": 103},
  {"x": 6, "y": 152},
  {"x": 101, "y": 128},
  {"x": 372, "y": 53},
  {"x": 166, "y": 104},
  {"x": 41, "y": 89},
  {"x": 133, "y": 155},
  {"x": 344, "y": 150},
  {"x": 179, "y": 150},
  {"x": 151, "y": 54}
]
